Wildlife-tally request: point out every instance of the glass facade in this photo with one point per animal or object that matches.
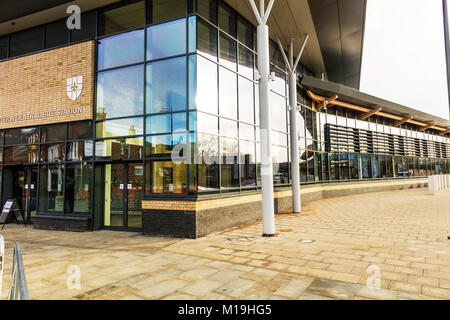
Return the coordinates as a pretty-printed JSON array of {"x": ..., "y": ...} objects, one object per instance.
[{"x": 176, "y": 115}]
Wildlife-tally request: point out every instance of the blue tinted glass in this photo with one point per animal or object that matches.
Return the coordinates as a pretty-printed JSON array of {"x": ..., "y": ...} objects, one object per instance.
[
  {"x": 166, "y": 85},
  {"x": 159, "y": 124},
  {"x": 167, "y": 39},
  {"x": 120, "y": 93},
  {"x": 192, "y": 121},
  {"x": 179, "y": 121},
  {"x": 192, "y": 81},
  {"x": 123, "y": 49},
  {"x": 192, "y": 33}
]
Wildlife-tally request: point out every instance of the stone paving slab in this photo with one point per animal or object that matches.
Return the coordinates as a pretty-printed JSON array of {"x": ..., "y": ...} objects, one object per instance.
[{"x": 398, "y": 238}]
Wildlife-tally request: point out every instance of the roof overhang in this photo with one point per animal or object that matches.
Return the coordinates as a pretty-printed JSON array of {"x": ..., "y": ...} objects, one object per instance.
[
  {"x": 19, "y": 15},
  {"x": 340, "y": 26},
  {"x": 369, "y": 102}
]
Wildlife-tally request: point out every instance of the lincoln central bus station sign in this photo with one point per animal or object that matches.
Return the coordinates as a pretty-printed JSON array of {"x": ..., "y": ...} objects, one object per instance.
[{"x": 48, "y": 87}]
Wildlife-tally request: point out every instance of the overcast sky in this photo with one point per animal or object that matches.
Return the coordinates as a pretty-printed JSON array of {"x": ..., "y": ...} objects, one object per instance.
[{"x": 404, "y": 54}]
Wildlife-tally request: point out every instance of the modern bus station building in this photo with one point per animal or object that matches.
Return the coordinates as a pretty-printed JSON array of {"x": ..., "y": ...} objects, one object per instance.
[{"x": 91, "y": 118}]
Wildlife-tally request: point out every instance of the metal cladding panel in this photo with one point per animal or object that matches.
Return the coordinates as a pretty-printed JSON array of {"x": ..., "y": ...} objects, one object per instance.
[
  {"x": 340, "y": 30},
  {"x": 10, "y": 10}
]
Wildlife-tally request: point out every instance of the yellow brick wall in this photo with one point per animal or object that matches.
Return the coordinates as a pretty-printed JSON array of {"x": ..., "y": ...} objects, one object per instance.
[
  {"x": 37, "y": 84},
  {"x": 206, "y": 204}
]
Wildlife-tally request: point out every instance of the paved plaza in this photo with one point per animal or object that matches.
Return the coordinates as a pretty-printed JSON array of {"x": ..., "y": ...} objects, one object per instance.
[{"x": 397, "y": 240}]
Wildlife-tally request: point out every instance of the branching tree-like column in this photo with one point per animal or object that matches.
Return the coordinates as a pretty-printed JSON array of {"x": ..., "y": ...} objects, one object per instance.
[
  {"x": 295, "y": 161},
  {"x": 264, "y": 77}
]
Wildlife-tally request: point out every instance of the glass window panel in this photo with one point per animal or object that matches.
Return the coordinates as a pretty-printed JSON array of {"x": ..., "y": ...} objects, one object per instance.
[
  {"x": 166, "y": 85},
  {"x": 207, "y": 123},
  {"x": 246, "y": 62},
  {"x": 122, "y": 18},
  {"x": 192, "y": 29},
  {"x": 229, "y": 163},
  {"x": 121, "y": 49},
  {"x": 167, "y": 39},
  {"x": 245, "y": 32},
  {"x": 208, "y": 9},
  {"x": 279, "y": 85},
  {"x": 120, "y": 128},
  {"x": 51, "y": 189},
  {"x": 80, "y": 130},
  {"x": 26, "y": 41},
  {"x": 246, "y": 131},
  {"x": 22, "y": 136},
  {"x": 165, "y": 177},
  {"x": 207, "y": 91},
  {"x": 227, "y": 19},
  {"x": 281, "y": 165},
  {"x": 246, "y": 100},
  {"x": 159, "y": 123},
  {"x": 53, "y": 152},
  {"x": 78, "y": 186},
  {"x": 247, "y": 163},
  {"x": 279, "y": 138},
  {"x": 228, "y": 93},
  {"x": 275, "y": 55},
  {"x": 120, "y": 93},
  {"x": 53, "y": 133},
  {"x": 165, "y": 10},
  {"x": 278, "y": 111},
  {"x": 80, "y": 150},
  {"x": 192, "y": 121},
  {"x": 21, "y": 154},
  {"x": 207, "y": 40},
  {"x": 158, "y": 145},
  {"x": 56, "y": 34},
  {"x": 4, "y": 47},
  {"x": 228, "y": 55},
  {"x": 179, "y": 122},
  {"x": 89, "y": 29},
  {"x": 192, "y": 69},
  {"x": 117, "y": 149},
  {"x": 207, "y": 151},
  {"x": 228, "y": 128}
]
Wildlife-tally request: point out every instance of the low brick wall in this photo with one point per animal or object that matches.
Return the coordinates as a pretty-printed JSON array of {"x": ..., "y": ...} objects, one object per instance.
[
  {"x": 78, "y": 224},
  {"x": 194, "y": 219}
]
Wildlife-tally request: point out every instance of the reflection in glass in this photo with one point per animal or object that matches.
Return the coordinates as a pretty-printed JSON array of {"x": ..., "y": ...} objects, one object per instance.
[
  {"x": 78, "y": 185},
  {"x": 159, "y": 123},
  {"x": 281, "y": 165},
  {"x": 120, "y": 93},
  {"x": 21, "y": 154},
  {"x": 227, "y": 19},
  {"x": 207, "y": 40},
  {"x": 51, "y": 188},
  {"x": 121, "y": 49},
  {"x": 229, "y": 163},
  {"x": 166, "y": 85},
  {"x": 165, "y": 177},
  {"x": 80, "y": 150},
  {"x": 207, "y": 152},
  {"x": 228, "y": 128},
  {"x": 246, "y": 62},
  {"x": 167, "y": 39},
  {"x": 207, "y": 95},
  {"x": 278, "y": 111},
  {"x": 120, "y": 128},
  {"x": 22, "y": 136},
  {"x": 207, "y": 123},
  {"x": 53, "y": 133},
  {"x": 165, "y": 10},
  {"x": 116, "y": 149},
  {"x": 228, "y": 93},
  {"x": 208, "y": 9},
  {"x": 52, "y": 152},
  {"x": 80, "y": 130},
  {"x": 246, "y": 108},
  {"x": 123, "y": 18},
  {"x": 245, "y": 32},
  {"x": 228, "y": 55},
  {"x": 247, "y": 163}
]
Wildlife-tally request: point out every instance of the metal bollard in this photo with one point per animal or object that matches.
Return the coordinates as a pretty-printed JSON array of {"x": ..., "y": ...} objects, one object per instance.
[{"x": 431, "y": 185}]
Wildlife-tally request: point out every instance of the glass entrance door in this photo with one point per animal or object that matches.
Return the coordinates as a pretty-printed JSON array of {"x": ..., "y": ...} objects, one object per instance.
[
  {"x": 123, "y": 192},
  {"x": 25, "y": 187}
]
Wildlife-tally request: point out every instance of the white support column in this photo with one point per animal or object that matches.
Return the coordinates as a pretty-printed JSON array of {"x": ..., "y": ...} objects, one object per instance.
[
  {"x": 295, "y": 157},
  {"x": 265, "y": 117}
]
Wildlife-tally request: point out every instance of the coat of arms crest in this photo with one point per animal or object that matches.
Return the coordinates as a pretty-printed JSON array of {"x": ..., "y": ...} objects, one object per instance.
[{"x": 74, "y": 87}]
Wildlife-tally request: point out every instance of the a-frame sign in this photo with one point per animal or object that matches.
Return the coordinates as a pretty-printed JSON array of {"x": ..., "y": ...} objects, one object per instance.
[{"x": 11, "y": 210}]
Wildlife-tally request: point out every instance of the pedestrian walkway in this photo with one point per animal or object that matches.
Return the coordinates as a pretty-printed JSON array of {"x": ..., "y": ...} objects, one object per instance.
[{"x": 330, "y": 251}]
